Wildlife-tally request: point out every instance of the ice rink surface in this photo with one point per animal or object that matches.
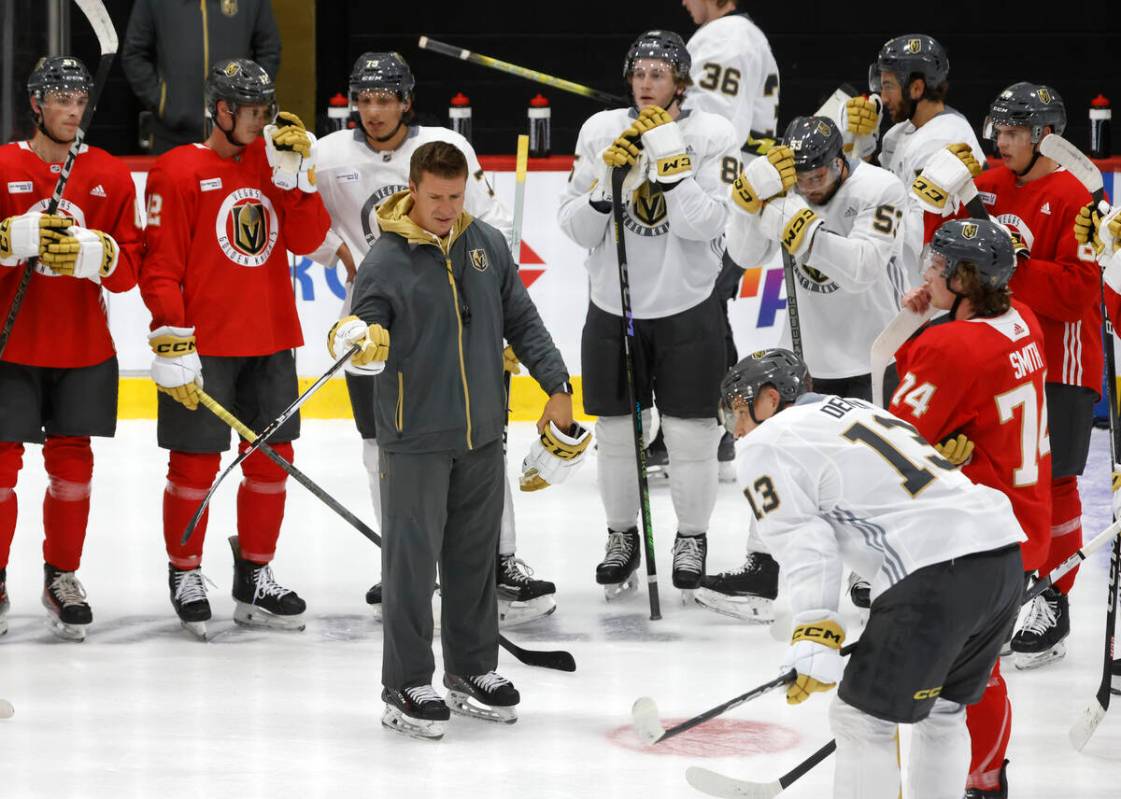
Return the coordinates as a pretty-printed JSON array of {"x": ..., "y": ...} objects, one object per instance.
[{"x": 140, "y": 709}]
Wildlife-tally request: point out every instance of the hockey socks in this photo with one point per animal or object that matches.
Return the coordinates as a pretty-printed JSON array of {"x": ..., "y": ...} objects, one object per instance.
[
  {"x": 189, "y": 475},
  {"x": 1066, "y": 528},
  {"x": 11, "y": 459},
  {"x": 66, "y": 504},
  {"x": 990, "y": 728},
  {"x": 260, "y": 503}
]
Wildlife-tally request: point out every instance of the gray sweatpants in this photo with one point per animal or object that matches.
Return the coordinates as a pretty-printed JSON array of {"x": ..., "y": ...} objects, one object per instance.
[{"x": 441, "y": 507}]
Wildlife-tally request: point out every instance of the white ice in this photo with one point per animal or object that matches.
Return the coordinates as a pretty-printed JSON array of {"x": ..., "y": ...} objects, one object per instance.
[{"x": 142, "y": 710}]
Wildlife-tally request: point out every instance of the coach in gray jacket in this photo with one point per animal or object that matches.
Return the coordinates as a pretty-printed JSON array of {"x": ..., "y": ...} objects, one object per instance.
[{"x": 444, "y": 291}]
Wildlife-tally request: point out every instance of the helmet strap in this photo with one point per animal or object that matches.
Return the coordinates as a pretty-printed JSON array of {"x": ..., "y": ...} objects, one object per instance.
[
  {"x": 40, "y": 124},
  {"x": 229, "y": 134},
  {"x": 1031, "y": 164}
]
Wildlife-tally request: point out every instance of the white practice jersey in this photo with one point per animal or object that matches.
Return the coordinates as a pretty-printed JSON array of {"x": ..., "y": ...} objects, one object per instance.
[
  {"x": 674, "y": 239},
  {"x": 354, "y": 179},
  {"x": 735, "y": 75},
  {"x": 849, "y": 285},
  {"x": 834, "y": 482}
]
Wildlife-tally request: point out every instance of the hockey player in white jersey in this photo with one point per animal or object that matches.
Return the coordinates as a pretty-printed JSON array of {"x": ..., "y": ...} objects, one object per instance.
[
  {"x": 673, "y": 224},
  {"x": 734, "y": 72},
  {"x": 835, "y": 482},
  {"x": 357, "y": 170},
  {"x": 843, "y": 226},
  {"x": 910, "y": 76}
]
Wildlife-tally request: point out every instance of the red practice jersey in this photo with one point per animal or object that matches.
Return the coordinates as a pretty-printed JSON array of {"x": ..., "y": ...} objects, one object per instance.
[
  {"x": 217, "y": 239},
  {"x": 1060, "y": 281},
  {"x": 62, "y": 321},
  {"x": 984, "y": 378}
]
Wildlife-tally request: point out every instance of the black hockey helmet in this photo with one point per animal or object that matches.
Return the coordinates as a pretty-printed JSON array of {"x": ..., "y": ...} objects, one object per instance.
[
  {"x": 238, "y": 81},
  {"x": 913, "y": 54},
  {"x": 1027, "y": 105},
  {"x": 816, "y": 142},
  {"x": 382, "y": 72},
  {"x": 60, "y": 73},
  {"x": 664, "y": 46},
  {"x": 984, "y": 244},
  {"x": 777, "y": 367}
]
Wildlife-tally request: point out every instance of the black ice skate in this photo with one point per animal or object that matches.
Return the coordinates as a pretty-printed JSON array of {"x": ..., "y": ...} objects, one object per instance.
[
  {"x": 520, "y": 597},
  {"x": 490, "y": 697},
  {"x": 261, "y": 601},
  {"x": 690, "y": 552},
  {"x": 726, "y": 458},
  {"x": 747, "y": 593},
  {"x": 616, "y": 572},
  {"x": 188, "y": 597},
  {"x": 418, "y": 711},
  {"x": 1040, "y": 636},
  {"x": 373, "y": 599},
  {"x": 68, "y": 613},
  {"x": 997, "y": 793},
  {"x": 657, "y": 457},
  {"x": 4, "y": 604},
  {"x": 860, "y": 591}
]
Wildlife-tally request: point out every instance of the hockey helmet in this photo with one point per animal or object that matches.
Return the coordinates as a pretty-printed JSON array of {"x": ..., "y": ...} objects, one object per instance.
[
  {"x": 816, "y": 142},
  {"x": 663, "y": 46},
  {"x": 779, "y": 368},
  {"x": 1027, "y": 105},
  {"x": 60, "y": 73},
  {"x": 239, "y": 81},
  {"x": 382, "y": 72},
  {"x": 984, "y": 244},
  {"x": 908, "y": 55}
]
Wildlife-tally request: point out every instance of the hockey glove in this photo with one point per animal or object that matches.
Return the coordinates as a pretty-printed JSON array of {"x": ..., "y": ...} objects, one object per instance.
[
  {"x": 760, "y": 145},
  {"x": 554, "y": 456},
  {"x": 290, "y": 150},
  {"x": 863, "y": 115},
  {"x": 28, "y": 235},
  {"x": 815, "y": 654},
  {"x": 943, "y": 178},
  {"x": 662, "y": 139},
  {"x": 82, "y": 253},
  {"x": 792, "y": 222},
  {"x": 958, "y": 449},
  {"x": 763, "y": 179},
  {"x": 1086, "y": 226},
  {"x": 374, "y": 340},
  {"x": 510, "y": 361},
  {"x": 177, "y": 369}
]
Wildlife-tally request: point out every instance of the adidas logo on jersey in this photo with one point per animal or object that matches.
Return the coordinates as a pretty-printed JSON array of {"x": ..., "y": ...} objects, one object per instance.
[
  {"x": 1045, "y": 208},
  {"x": 97, "y": 191}
]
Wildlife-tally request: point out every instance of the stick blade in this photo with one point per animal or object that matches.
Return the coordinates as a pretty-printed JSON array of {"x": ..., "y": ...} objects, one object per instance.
[
  {"x": 715, "y": 784},
  {"x": 1074, "y": 160},
  {"x": 102, "y": 25},
  {"x": 1083, "y": 728},
  {"x": 644, "y": 712}
]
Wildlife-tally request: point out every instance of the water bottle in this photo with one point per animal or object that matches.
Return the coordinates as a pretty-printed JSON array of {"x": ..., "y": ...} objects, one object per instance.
[
  {"x": 540, "y": 123},
  {"x": 1100, "y": 116},
  {"x": 338, "y": 112},
  {"x": 459, "y": 114}
]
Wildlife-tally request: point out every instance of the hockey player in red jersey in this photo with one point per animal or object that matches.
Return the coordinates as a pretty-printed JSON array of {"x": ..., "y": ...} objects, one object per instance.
[
  {"x": 972, "y": 382},
  {"x": 221, "y": 216},
  {"x": 1059, "y": 281},
  {"x": 58, "y": 370}
]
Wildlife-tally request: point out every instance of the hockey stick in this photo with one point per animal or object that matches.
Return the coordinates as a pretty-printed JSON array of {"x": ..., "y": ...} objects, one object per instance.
[
  {"x": 1075, "y": 161},
  {"x": 516, "y": 250},
  {"x": 522, "y": 72},
  {"x": 102, "y": 25},
  {"x": 558, "y": 660},
  {"x": 788, "y": 266},
  {"x": 649, "y": 727},
  {"x": 891, "y": 338},
  {"x": 715, "y": 784},
  {"x": 618, "y": 175},
  {"x": 265, "y": 435}
]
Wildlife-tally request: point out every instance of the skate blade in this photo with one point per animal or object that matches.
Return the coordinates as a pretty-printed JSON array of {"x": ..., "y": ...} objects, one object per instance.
[
  {"x": 621, "y": 590},
  {"x": 261, "y": 619},
  {"x": 755, "y": 609},
  {"x": 465, "y": 705},
  {"x": 195, "y": 628},
  {"x": 67, "y": 632},
  {"x": 513, "y": 613},
  {"x": 1025, "y": 661},
  {"x": 393, "y": 719}
]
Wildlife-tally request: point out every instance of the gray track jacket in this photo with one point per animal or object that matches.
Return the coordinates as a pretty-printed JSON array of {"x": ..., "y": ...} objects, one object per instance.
[{"x": 447, "y": 305}]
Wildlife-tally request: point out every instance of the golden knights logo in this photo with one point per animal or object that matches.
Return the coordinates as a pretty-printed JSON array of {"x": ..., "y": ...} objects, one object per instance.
[
  {"x": 969, "y": 231},
  {"x": 823, "y": 129},
  {"x": 229, "y": 7},
  {"x": 246, "y": 227},
  {"x": 646, "y": 214},
  {"x": 814, "y": 281},
  {"x": 913, "y": 46},
  {"x": 479, "y": 259},
  {"x": 1044, "y": 95},
  {"x": 232, "y": 69}
]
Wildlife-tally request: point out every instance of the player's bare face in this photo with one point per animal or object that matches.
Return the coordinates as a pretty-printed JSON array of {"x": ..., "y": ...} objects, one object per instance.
[
  {"x": 1015, "y": 146},
  {"x": 652, "y": 83},
  {"x": 940, "y": 295},
  {"x": 381, "y": 113},
  {"x": 62, "y": 112},
  {"x": 891, "y": 92},
  {"x": 250, "y": 120},
  {"x": 437, "y": 202},
  {"x": 817, "y": 185}
]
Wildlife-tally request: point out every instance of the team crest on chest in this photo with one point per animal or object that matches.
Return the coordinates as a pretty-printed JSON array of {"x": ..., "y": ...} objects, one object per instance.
[
  {"x": 229, "y": 7},
  {"x": 814, "y": 280},
  {"x": 479, "y": 259},
  {"x": 646, "y": 214},
  {"x": 246, "y": 227}
]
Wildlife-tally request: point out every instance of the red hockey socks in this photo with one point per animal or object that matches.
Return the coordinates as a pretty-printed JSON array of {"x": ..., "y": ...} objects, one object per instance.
[
  {"x": 260, "y": 503},
  {"x": 66, "y": 503},
  {"x": 1066, "y": 529},
  {"x": 11, "y": 460},
  {"x": 990, "y": 728},
  {"x": 189, "y": 476}
]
